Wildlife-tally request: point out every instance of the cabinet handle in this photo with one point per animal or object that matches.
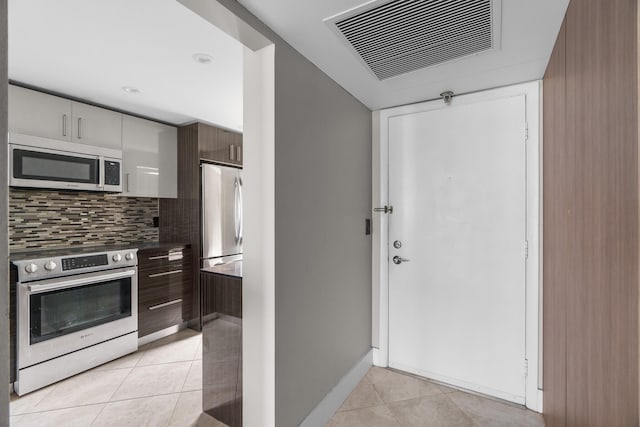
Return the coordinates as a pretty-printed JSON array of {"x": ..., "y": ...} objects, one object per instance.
[
  {"x": 79, "y": 127},
  {"x": 64, "y": 125},
  {"x": 101, "y": 172},
  {"x": 173, "y": 256},
  {"x": 232, "y": 153},
  {"x": 166, "y": 273},
  {"x": 239, "y": 153},
  {"x": 165, "y": 304}
]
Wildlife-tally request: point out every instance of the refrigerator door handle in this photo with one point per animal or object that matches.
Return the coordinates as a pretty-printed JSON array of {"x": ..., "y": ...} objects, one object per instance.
[
  {"x": 236, "y": 222},
  {"x": 240, "y": 211}
]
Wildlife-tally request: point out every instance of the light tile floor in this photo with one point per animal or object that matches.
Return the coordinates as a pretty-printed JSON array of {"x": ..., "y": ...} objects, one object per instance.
[
  {"x": 388, "y": 398},
  {"x": 159, "y": 385}
]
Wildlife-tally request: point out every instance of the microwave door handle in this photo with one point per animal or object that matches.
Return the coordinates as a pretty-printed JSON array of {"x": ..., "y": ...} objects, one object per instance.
[
  {"x": 55, "y": 284},
  {"x": 101, "y": 172}
]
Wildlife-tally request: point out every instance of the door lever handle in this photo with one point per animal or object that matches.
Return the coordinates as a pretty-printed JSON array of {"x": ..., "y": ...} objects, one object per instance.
[
  {"x": 386, "y": 209},
  {"x": 399, "y": 260}
]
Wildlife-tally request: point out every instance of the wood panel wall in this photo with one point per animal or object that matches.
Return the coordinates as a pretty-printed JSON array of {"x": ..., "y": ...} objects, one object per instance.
[
  {"x": 591, "y": 218},
  {"x": 180, "y": 218}
]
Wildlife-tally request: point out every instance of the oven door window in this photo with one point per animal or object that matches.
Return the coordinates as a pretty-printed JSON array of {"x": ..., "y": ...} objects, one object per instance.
[
  {"x": 64, "y": 311},
  {"x": 54, "y": 167}
]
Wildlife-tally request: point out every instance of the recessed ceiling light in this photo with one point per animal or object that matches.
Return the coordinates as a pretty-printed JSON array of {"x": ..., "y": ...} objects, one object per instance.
[
  {"x": 202, "y": 58},
  {"x": 130, "y": 89}
]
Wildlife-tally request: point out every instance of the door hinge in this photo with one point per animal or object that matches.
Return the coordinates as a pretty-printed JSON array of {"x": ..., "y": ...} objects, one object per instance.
[
  {"x": 526, "y": 249},
  {"x": 526, "y": 367},
  {"x": 526, "y": 132}
]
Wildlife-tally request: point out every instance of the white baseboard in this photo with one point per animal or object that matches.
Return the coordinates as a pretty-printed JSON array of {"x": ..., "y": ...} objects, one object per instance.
[
  {"x": 379, "y": 359},
  {"x": 538, "y": 404},
  {"x": 322, "y": 413}
]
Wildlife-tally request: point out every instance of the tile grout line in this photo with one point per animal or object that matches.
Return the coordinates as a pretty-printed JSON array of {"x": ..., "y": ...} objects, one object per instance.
[
  {"x": 375, "y": 391},
  {"x": 35, "y": 405},
  {"x": 142, "y": 397},
  {"x": 60, "y": 409},
  {"x": 186, "y": 377},
  {"x": 155, "y": 364},
  {"x": 99, "y": 413},
  {"x": 120, "y": 385},
  {"x": 471, "y": 417},
  {"x": 173, "y": 411}
]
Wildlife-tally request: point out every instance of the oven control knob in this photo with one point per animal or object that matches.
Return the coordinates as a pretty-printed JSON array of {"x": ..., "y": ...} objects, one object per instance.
[
  {"x": 50, "y": 266},
  {"x": 116, "y": 258},
  {"x": 129, "y": 256},
  {"x": 31, "y": 268}
]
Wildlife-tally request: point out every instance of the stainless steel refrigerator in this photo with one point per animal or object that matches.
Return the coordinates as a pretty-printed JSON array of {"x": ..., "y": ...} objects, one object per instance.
[{"x": 221, "y": 214}]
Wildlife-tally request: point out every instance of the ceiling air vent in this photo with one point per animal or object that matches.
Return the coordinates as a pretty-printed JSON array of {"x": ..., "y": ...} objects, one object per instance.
[{"x": 397, "y": 37}]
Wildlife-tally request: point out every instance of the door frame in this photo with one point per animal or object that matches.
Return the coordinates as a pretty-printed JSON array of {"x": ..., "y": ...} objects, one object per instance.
[{"x": 380, "y": 245}]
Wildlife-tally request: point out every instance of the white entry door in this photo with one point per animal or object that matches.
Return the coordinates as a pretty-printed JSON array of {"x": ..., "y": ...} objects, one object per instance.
[{"x": 457, "y": 184}]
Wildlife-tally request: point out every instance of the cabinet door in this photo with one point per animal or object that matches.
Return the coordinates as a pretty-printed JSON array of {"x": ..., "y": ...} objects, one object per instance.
[
  {"x": 230, "y": 147},
  {"x": 227, "y": 149},
  {"x": 96, "y": 126},
  {"x": 208, "y": 142},
  {"x": 39, "y": 114},
  {"x": 149, "y": 158}
]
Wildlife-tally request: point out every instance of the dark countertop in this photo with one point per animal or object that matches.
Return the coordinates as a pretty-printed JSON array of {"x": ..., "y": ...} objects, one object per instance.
[
  {"x": 231, "y": 269},
  {"x": 53, "y": 252}
]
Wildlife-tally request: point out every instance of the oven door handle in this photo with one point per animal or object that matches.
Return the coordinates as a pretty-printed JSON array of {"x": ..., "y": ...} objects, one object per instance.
[{"x": 55, "y": 285}]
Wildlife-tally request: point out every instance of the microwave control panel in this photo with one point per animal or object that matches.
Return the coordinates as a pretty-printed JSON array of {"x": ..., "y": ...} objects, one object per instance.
[{"x": 111, "y": 172}]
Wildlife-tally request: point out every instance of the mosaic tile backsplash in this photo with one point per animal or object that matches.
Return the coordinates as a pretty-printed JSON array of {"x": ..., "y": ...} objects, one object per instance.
[{"x": 54, "y": 219}]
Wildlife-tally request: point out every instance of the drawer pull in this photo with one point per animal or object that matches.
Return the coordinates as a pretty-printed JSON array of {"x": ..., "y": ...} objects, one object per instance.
[
  {"x": 165, "y": 304},
  {"x": 166, "y": 273},
  {"x": 173, "y": 256}
]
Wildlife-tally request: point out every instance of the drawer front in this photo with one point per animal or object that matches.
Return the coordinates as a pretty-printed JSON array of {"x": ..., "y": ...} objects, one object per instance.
[
  {"x": 165, "y": 289},
  {"x": 163, "y": 285},
  {"x": 148, "y": 259},
  {"x": 157, "y": 317}
]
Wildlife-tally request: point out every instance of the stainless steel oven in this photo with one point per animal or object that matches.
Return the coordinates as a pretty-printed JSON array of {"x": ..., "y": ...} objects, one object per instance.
[
  {"x": 74, "y": 313},
  {"x": 46, "y": 163}
]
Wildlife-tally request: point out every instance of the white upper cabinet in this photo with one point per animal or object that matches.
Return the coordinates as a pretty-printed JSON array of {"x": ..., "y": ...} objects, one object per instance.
[
  {"x": 150, "y": 156},
  {"x": 39, "y": 114},
  {"x": 96, "y": 126}
]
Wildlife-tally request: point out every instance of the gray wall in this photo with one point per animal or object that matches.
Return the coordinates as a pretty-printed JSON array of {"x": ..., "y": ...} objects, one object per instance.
[
  {"x": 323, "y": 258},
  {"x": 4, "y": 240}
]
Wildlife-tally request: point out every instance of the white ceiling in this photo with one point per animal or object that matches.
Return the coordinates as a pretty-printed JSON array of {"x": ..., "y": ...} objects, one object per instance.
[
  {"x": 90, "y": 49},
  {"x": 529, "y": 31}
]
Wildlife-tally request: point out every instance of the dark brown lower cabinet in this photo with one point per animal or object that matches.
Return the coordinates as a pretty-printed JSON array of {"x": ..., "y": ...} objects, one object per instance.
[
  {"x": 222, "y": 347},
  {"x": 164, "y": 288}
]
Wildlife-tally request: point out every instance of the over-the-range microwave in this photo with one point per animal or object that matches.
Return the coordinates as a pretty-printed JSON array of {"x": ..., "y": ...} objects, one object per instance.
[{"x": 49, "y": 163}]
